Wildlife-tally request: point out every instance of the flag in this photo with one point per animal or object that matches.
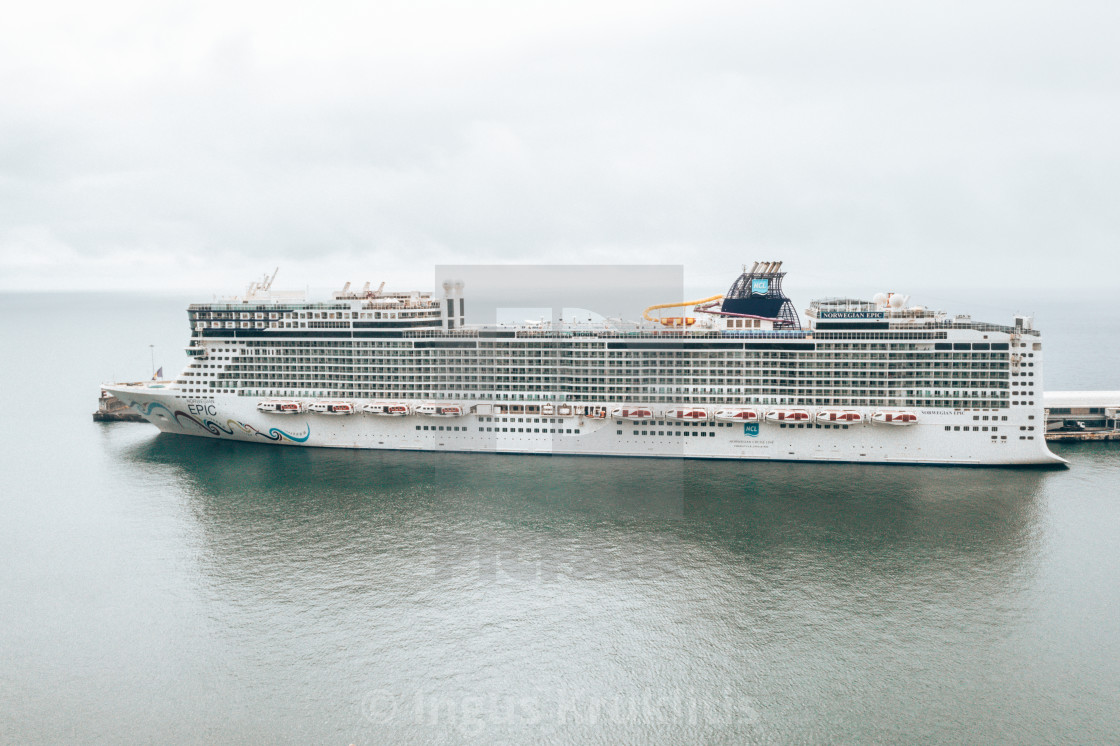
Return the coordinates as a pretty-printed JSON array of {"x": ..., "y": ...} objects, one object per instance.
[{"x": 158, "y": 374}]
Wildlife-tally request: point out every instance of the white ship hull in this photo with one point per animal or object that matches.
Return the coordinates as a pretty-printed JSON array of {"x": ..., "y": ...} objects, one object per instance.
[{"x": 935, "y": 439}]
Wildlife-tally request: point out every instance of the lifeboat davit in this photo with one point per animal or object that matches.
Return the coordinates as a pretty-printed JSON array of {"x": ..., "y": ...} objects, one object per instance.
[
  {"x": 894, "y": 417},
  {"x": 280, "y": 406},
  {"x": 547, "y": 409},
  {"x": 440, "y": 410},
  {"x": 788, "y": 415},
  {"x": 635, "y": 414},
  {"x": 564, "y": 410},
  {"x": 686, "y": 414},
  {"x": 332, "y": 406},
  {"x": 840, "y": 416},
  {"x": 739, "y": 414},
  {"x": 387, "y": 408}
]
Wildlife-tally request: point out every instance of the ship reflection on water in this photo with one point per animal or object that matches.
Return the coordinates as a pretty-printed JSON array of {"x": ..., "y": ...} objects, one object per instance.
[
  {"x": 589, "y": 518},
  {"x": 451, "y": 574},
  {"x": 752, "y": 505}
]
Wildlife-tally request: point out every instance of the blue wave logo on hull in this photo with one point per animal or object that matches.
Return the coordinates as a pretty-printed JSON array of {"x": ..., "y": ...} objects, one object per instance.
[
  {"x": 215, "y": 428},
  {"x": 750, "y": 429}
]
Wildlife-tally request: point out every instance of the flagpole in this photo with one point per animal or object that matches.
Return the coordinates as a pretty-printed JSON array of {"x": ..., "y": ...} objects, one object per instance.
[{"x": 153, "y": 351}]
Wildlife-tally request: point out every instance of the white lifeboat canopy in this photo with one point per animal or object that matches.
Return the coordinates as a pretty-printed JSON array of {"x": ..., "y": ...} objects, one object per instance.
[
  {"x": 387, "y": 408},
  {"x": 739, "y": 414},
  {"x": 440, "y": 409},
  {"x": 686, "y": 414},
  {"x": 788, "y": 415},
  {"x": 841, "y": 416},
  {"x": 332, "y": 406},
  {"x": 894, "y": 417},
  {"x": 633, "y": 413},
  {"x": 280, "y": 406}
]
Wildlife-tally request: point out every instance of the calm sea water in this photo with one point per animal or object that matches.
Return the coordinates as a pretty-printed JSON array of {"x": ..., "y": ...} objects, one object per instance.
[{"x": 167, "y": 589}]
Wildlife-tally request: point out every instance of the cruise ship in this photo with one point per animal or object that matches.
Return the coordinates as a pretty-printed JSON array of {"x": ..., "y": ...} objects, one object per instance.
[{"x": 732, "y": 376}]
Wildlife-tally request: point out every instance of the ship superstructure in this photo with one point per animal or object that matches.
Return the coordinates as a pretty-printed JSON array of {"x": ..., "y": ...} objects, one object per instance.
[{"x": 732, "y": 376}]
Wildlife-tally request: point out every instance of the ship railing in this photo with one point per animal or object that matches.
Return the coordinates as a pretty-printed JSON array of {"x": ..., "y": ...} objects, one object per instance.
[
  {"x": 843, "y": 304},
  {"x": 983, "y": 327},
  {"x": 523, "y": 333}
]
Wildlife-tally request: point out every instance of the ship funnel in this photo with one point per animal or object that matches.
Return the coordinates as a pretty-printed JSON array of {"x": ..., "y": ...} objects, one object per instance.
[{"x": 758, "y": 293}]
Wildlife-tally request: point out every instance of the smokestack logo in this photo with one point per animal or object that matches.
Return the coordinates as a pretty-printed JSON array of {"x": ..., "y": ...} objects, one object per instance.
[{"x": 760, "y": 287}]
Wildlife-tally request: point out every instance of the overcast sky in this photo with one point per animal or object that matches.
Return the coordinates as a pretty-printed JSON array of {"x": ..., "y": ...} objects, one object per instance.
[{"x": 194, "y": 145}]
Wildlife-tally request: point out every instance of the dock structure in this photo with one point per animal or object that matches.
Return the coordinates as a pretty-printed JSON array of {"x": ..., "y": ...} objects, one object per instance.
[
  {"x": 112, "y": 409},
  {"x": 1082, "y": 415}
]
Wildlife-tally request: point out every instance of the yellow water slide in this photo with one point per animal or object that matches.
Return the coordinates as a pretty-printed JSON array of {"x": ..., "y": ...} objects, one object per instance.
[{"x": 677, "y": 320}]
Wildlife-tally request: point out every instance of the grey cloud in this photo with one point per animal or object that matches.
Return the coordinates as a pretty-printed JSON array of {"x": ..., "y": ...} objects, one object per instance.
[{"x": 862, "y": 140}]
